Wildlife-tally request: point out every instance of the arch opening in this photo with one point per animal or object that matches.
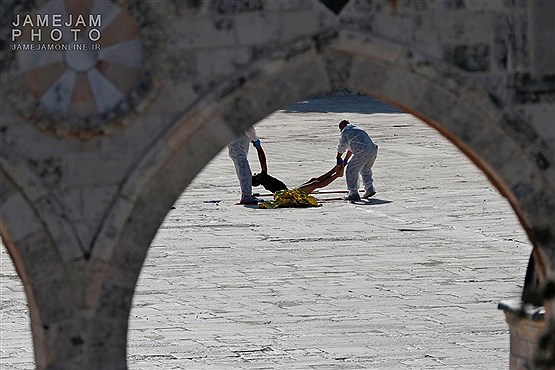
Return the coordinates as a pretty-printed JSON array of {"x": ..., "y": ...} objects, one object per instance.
[{"x": 252, "y": 276}]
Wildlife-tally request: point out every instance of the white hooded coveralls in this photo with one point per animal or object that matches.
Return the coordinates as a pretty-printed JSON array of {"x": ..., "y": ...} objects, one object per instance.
[
  {"x": 238, "y": 152},
  {"x": 364, "y": 151}
]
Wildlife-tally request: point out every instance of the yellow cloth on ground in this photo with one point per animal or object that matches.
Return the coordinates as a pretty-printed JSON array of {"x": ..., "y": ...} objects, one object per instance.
[{"x": 290, "y": 198}]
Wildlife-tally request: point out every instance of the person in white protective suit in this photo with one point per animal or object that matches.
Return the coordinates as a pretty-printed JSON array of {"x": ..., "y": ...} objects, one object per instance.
[
  {"x": 360, "y": 146},
  {"x": 238, "y": 152}
]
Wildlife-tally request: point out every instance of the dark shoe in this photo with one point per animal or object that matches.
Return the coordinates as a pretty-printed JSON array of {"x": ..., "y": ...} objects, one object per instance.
[
  {"x": 250, "y": 200},
  {"x": 352, "y": 197},
  {"x": 369, "y": 194}
]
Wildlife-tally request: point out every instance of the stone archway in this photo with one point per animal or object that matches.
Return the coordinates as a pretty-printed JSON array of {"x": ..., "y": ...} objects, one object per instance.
[
  {"x": 473, "y": 111},
  {"x": 260, "y": 94},
  {"x": 48, "y": 285}
]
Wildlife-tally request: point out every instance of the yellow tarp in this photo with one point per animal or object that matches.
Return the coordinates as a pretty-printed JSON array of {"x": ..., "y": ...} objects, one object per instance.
[{"x": 290, "y": 198}]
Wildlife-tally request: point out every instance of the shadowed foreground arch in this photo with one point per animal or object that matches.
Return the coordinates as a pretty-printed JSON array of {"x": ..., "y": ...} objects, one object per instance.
[
  {"x": 195, "y": 112},
  {"x": 462, "y": 113},
  {"x": 50, "y": 300}
]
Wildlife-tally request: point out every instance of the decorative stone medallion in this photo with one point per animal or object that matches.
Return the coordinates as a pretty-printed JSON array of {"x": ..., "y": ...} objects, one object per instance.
[{"x": 80, "y": 68}]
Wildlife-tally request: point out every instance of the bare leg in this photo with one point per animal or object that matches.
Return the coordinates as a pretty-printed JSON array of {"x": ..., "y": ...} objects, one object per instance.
[
  {"x": 322, "y": 181},
  {"x": 330, "y": 173}
]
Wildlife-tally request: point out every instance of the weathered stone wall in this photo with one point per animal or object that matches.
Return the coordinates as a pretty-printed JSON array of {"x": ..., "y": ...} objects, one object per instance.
[{"x": 97, "y": 147}]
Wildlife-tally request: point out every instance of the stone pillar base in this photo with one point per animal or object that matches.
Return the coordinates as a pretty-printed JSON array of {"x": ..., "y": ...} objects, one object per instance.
[{"x": 526, "y": 325}]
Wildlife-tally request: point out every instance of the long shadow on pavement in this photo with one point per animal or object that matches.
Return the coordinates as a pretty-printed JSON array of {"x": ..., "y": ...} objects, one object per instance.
[{"x": 341, "y": 104}]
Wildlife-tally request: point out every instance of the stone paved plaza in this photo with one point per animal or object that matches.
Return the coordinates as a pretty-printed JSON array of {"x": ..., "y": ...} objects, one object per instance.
[{"x": 409, "y": 281}]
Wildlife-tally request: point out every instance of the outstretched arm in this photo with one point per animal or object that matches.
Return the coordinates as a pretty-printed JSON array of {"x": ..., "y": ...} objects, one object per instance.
[
  {"x": 261, "y": 155},
  {"x": 262, "y": 159}
]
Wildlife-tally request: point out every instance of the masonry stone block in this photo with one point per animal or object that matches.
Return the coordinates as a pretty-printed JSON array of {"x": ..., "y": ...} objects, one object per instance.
[
  {"x": 542, "y": 58},
  {"x": 369, "y": 74},
  {"x": 78, "y": 274},
  {"x": 21, "y": 220},
  {"x": 44, "y": 150},
  {"x": 292, "y": 5},
  {"x": 108, "y": 236},
  {"x": 338, "y": 68},
  {"x": 484, "y": 102},
  {"x": 438, "y": 103},
  {"x": 71, "y": 198},
  {"x": 516, "y": 129},
  {"x": 63, "y": 234},
  {"x": 45, "y": 279},
  {"x": 96, "y": 273},
  {"x": 525, "y": 331},
  {"x": 233, "y": 7},
  {"x": 479, "y": 136},
  {"x": 182, "y": 65},
  {"x": 510, "y": 29},
  {"x": 84, "y": 205},
  {"x": 207, "y": 141},
  {"x": 296, "y": 24},
  {"x": 202, "y": 32},
  {"x": 471, "y": 58},
  {"x": 485, "y": 142},
  {"x": 121, "y": 273},
  {"x": 8, "y": 189},
  {"x": 38, "y": 247},
  {"x": 86, "y": 232},
  {"x": 50, "y": 170},
  {"x": 532, "y": 90},
  {"x": 114, "y": 302},
  {"x": 103, "y": 168},
  {"x": 275, "y": 92},
  {"x": 181, "y": 95},
  {"x": 538, "y": 113},
  {"x": 216, "y": 63},
  {"x": 67, "y": 339},
  {"x": 23, "y": 177},
  {"x": 55, "y": 299},
  {"x": 546, "y": 357},
  {"x": 130, "y": 145},
  {"x": 185, "y": 8},
  {"x": 107, "y": 344},
  {"x": 476, "y": 27},
  {"x": 95, "y": 199},
  {"x": 127, "y": 259},
  {"x": 361, "y": 45},
  {"x": 267, "y": 26}
]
